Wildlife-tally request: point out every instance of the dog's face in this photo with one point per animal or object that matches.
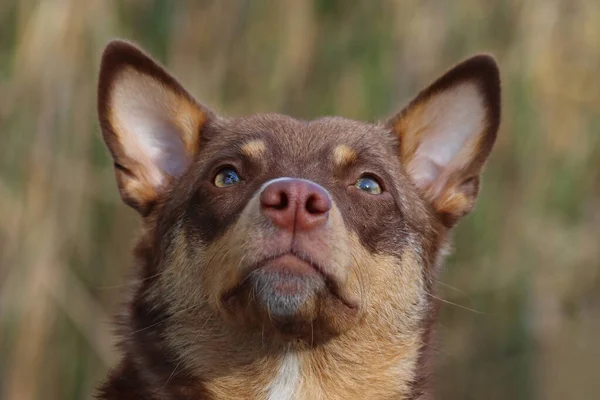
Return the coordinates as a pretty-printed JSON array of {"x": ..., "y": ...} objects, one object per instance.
[
  {"x": 293, "y": 230},
  {"x": 296, "y": 227}
]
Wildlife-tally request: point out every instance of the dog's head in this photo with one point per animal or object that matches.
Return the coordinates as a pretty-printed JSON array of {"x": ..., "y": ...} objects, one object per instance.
[{"x": 294, "y": 229}]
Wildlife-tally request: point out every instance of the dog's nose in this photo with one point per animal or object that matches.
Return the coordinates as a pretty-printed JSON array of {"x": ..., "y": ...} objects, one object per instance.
[{"x": 295, "y": 204}]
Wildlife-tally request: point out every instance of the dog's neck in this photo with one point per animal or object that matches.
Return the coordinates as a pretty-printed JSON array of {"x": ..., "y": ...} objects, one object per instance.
[
  {"x": 382, "y": 356},
  {"x": 367, "y": 362}
]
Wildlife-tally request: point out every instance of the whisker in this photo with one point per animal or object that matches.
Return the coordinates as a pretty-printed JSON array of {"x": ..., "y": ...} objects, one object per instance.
[
  {"x": 251, "y": 298},
  {"x": 453, "y": 288},
  {"x": 457, "y": 305},
  {"x": 133, "y": 282},
  {"x": 376, "y": 341},
  {"x": 181, "y": 359},
  {"x": 262, "y": 334},
  {"x": 130, "y": 282},
  {"x": 176, "y": 313},
  {"x": 435, "y": 348},
  {"x": 172, "y": 374},
  {"x": 361, "y": 283},
  {"x": 217, "y": 251}
]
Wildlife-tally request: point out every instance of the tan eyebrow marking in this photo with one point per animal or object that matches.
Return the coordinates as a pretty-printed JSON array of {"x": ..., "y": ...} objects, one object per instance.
[
  {"x": 254, "y": 148},
  {"x": 343, "y": 155}
]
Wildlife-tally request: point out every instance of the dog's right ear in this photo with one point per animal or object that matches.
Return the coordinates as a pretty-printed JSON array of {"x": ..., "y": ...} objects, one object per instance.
[{"x": 150, "y": 124}]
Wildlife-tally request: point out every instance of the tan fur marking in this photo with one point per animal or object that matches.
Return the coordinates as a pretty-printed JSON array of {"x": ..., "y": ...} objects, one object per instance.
[
  {"x": 343, "y": 155},
  {"x": 212, "y": 347},
  {"x": 376, "y": 359},
  {"x": 254, "y": 149}
]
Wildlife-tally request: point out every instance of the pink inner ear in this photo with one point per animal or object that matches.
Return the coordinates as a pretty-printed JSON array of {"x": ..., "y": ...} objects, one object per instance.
[
  {"x": 423, "y": 171},
  {"x": 144, "y": 114},
  {"x": 447, "y": 126},
  {"x": 159, "y": 140}
]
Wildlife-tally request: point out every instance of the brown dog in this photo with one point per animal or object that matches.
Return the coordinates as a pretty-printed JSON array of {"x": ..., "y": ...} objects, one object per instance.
[{"x": 287, "y": 259}]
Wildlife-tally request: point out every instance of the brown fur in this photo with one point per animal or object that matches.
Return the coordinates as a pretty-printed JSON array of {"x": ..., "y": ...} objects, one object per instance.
[{"x": 195, "y": 328}]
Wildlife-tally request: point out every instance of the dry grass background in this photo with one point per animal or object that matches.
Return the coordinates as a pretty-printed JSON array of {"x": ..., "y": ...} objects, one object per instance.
[{"x": 528, "y": 259}]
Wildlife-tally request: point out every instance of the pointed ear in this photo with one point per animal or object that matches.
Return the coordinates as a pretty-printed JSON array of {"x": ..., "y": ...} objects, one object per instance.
[
  {"x": 447, "y": 132},
  {"x": 150, "y": 124}
]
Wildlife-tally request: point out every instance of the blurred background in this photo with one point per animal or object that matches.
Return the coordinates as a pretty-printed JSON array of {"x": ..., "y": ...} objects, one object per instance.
[{"x": 523, "y": 290}]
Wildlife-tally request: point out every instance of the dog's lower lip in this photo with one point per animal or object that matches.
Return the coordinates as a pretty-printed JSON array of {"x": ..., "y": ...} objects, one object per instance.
[
  {"x": 290, "y": 263},
  {"x": 333, "y": 286}
]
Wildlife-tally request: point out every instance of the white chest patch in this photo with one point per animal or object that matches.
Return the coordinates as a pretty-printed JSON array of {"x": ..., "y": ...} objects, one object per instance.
[{"x": 285, "y": 383}]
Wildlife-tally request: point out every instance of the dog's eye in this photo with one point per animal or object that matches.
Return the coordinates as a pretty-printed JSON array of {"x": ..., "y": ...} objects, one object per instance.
[
  {"x": 368, "y": 184},
  {"x": 227, "y": 177}
]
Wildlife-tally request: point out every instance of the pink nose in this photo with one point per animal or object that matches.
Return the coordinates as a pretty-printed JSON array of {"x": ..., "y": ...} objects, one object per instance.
[{"x": 295, "y": 204}]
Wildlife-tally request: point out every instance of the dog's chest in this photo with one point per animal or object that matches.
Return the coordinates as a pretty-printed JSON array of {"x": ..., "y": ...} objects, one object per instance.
[{"x": 285, "y": 384}]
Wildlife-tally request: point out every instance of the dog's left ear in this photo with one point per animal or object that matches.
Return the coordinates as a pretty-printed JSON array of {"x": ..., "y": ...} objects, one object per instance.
[{"x": 447, "y": 132}]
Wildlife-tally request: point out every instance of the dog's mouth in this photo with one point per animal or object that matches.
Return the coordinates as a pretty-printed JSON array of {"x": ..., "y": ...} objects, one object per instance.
[{"x": 290, "y": 287}]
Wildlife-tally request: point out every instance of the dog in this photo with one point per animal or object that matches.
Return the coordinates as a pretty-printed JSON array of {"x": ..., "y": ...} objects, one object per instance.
[{"x": 287, "y": 259}]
